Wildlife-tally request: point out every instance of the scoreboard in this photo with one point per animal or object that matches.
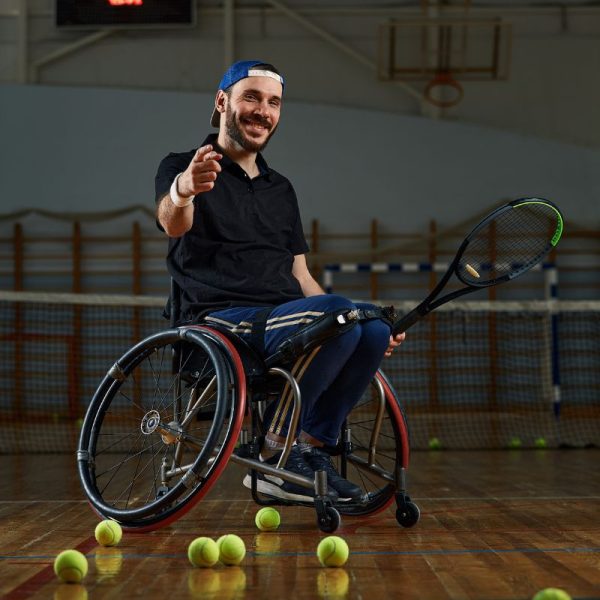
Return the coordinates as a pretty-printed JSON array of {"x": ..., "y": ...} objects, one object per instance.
[{"x": 123, "y": 13}]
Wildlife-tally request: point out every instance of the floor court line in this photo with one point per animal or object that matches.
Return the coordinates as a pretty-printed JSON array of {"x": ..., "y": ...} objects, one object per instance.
[
  {"x": 420, "y": 499},
  {"x": 487, "y": 550}
]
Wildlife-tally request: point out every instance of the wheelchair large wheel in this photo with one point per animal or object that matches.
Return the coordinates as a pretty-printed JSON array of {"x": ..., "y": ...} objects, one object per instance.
[
  {"x": 161, "y": 427},
  {"x": 375, "y": 449}
]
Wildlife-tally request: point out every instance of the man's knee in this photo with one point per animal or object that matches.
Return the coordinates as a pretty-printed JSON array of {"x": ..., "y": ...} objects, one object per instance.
[
  {"x": 375, "y": 334},
  {"x": 332, "y": 302}
]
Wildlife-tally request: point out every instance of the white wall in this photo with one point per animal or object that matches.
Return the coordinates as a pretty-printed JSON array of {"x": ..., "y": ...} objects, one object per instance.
[
  {"x": 553, "y": 88},
  {"x": 85, "y": 149}
]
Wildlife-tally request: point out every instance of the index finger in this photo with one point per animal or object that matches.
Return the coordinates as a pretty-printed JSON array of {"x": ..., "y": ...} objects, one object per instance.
[{"x": 201, "y": 153}]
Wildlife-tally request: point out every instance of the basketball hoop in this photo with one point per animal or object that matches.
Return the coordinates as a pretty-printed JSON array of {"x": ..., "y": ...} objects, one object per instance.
[{"x": 433, "y": 91}]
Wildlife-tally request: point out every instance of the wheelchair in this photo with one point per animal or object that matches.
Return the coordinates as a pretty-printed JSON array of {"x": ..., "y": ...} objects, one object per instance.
[{"x": 177, "y": 407}]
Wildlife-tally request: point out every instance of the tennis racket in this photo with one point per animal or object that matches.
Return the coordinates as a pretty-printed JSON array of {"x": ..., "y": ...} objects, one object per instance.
[{"x": 507, "y": 243}]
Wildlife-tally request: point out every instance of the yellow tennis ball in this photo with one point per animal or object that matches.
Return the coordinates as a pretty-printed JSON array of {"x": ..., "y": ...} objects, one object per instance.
[
  {"x": 267, "y": 519},
  {"x": 203, "y": 552},
  {"x": 541, "y": 443},
  {"x": 435, "y": 444},
  {"x": 231, "y": 549},
  {"x": 552, "y": 594},
  {"x": 514, "y": 443},
  {"x": 333, "y": 551},
  {"x": 71, "y": 566},
  {"x": 108, "y": 533}
]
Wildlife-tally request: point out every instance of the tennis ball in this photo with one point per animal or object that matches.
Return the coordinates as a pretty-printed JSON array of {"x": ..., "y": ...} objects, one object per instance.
[
  {"x": 333, "y": 551},
  {"x": 203, "y": 552},
  {"x": 552, "y": 594},
  {"x": 435, "y": 444},
  {"x": 231, "y": 549},
  {"x": 514, "y": 443},
  {"x": 267, "y": 519},
  {"x": 108, "y": 533},
  {"x": 540, "y": 442},
  {"x": 71, "y": 566}
]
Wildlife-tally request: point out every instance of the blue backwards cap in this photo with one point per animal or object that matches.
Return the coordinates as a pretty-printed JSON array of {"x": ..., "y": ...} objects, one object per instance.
[{"x": 238, "y": 71}]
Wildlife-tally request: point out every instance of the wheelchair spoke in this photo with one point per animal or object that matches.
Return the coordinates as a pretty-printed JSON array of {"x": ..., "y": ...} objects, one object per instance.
[
  {"x": 114, "y": 469},
  {"x": 363, "y": 475},
  {"x": 136, "y": 475},
  {"x": 195, "y": 442},
  {"x": 167, "y": 397},
  {"x": 130, "y": 486},
  {"x": 122, "y": 438},
  {"x": 131, "y": 400},
  {"x": 156, "y": 377},
  {"x": 200, "y": 402},
  {"x": 130, "y": 456}
]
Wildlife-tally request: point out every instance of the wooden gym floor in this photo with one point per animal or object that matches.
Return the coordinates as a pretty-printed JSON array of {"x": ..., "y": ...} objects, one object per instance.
[{"x": 496, "y": 525}]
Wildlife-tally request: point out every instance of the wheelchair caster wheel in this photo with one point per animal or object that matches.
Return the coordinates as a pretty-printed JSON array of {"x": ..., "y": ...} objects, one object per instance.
[
  {"x": 408, "y": 514},
  {"x": 329, "y": 520}
]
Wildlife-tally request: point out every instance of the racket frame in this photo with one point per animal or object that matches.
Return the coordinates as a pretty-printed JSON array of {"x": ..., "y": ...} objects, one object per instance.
[{"x": 428, "y": 304}]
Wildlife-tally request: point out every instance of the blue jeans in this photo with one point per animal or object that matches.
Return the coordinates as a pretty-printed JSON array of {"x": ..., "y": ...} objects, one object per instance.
[{"x": 332, "y": 377}]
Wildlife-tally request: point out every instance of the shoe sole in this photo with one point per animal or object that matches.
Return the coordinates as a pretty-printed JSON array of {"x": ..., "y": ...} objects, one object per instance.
[{"x": 273, "y": 490}]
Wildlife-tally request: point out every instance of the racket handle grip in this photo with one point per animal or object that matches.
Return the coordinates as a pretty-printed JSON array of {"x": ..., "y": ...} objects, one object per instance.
[{"x": 408, "y": 320}]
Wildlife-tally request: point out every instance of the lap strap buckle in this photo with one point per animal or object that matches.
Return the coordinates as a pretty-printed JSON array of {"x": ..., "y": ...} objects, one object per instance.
[
  {"x": 387, "y": 313},
  {"x": 347, "y": 317}
]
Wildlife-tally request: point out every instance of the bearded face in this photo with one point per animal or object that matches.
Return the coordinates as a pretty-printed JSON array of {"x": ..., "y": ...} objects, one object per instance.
[{"x": 248, "y": 130}]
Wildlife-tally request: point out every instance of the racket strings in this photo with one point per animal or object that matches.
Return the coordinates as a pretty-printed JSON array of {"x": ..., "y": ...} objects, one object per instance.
[{"x": 509, "y": 244}]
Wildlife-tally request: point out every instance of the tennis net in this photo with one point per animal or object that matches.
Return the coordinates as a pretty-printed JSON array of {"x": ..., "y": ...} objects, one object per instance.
[{"x": 472, "y": 375}]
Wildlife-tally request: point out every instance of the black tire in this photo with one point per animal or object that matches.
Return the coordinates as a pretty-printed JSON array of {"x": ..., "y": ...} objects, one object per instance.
[
  {"x": 408, "y": 514},
  {"x": 135, "y": 425},
  {"x": 391, "y": 448},
  {"x": 329, "y": 521}
]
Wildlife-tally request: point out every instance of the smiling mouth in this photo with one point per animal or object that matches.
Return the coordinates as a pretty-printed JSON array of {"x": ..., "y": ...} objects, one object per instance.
[{"x": 256, "y": 125}]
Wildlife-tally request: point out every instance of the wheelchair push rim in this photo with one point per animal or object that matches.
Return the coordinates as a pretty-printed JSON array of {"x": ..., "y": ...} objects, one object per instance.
[{"x": 157, "y": 434}]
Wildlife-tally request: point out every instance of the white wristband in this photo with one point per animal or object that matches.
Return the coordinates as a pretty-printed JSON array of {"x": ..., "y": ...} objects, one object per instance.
[{"x": 176, "y": 199}]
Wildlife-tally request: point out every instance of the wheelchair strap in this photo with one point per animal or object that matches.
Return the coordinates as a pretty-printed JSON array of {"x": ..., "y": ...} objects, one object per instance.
[
  {"x": 328, "y": 326},
  {"x": 257, "y": 333},
  {"x": 386, "y": 313}
]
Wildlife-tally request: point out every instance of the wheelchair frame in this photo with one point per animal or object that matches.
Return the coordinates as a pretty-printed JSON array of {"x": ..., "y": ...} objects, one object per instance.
[{"x": 134, "y": 420}]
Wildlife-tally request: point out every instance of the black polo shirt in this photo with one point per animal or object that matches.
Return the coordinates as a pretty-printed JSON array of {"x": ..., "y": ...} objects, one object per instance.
[{"x": 245, "y": 234}]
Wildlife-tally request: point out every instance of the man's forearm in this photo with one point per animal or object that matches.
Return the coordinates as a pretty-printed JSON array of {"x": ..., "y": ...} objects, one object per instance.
[
  {"x": 175, "y": 220},
  {"x": 310, "y": 287}
]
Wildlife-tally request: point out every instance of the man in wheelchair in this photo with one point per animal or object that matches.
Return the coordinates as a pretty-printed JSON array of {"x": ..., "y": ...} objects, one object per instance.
[{"x": 237, "y": 253}]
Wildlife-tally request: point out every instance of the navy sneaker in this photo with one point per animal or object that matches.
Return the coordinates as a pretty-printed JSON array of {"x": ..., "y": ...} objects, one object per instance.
[
  {"x": 270, "y": 485},
  {"x": 319, "y": 460}
]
